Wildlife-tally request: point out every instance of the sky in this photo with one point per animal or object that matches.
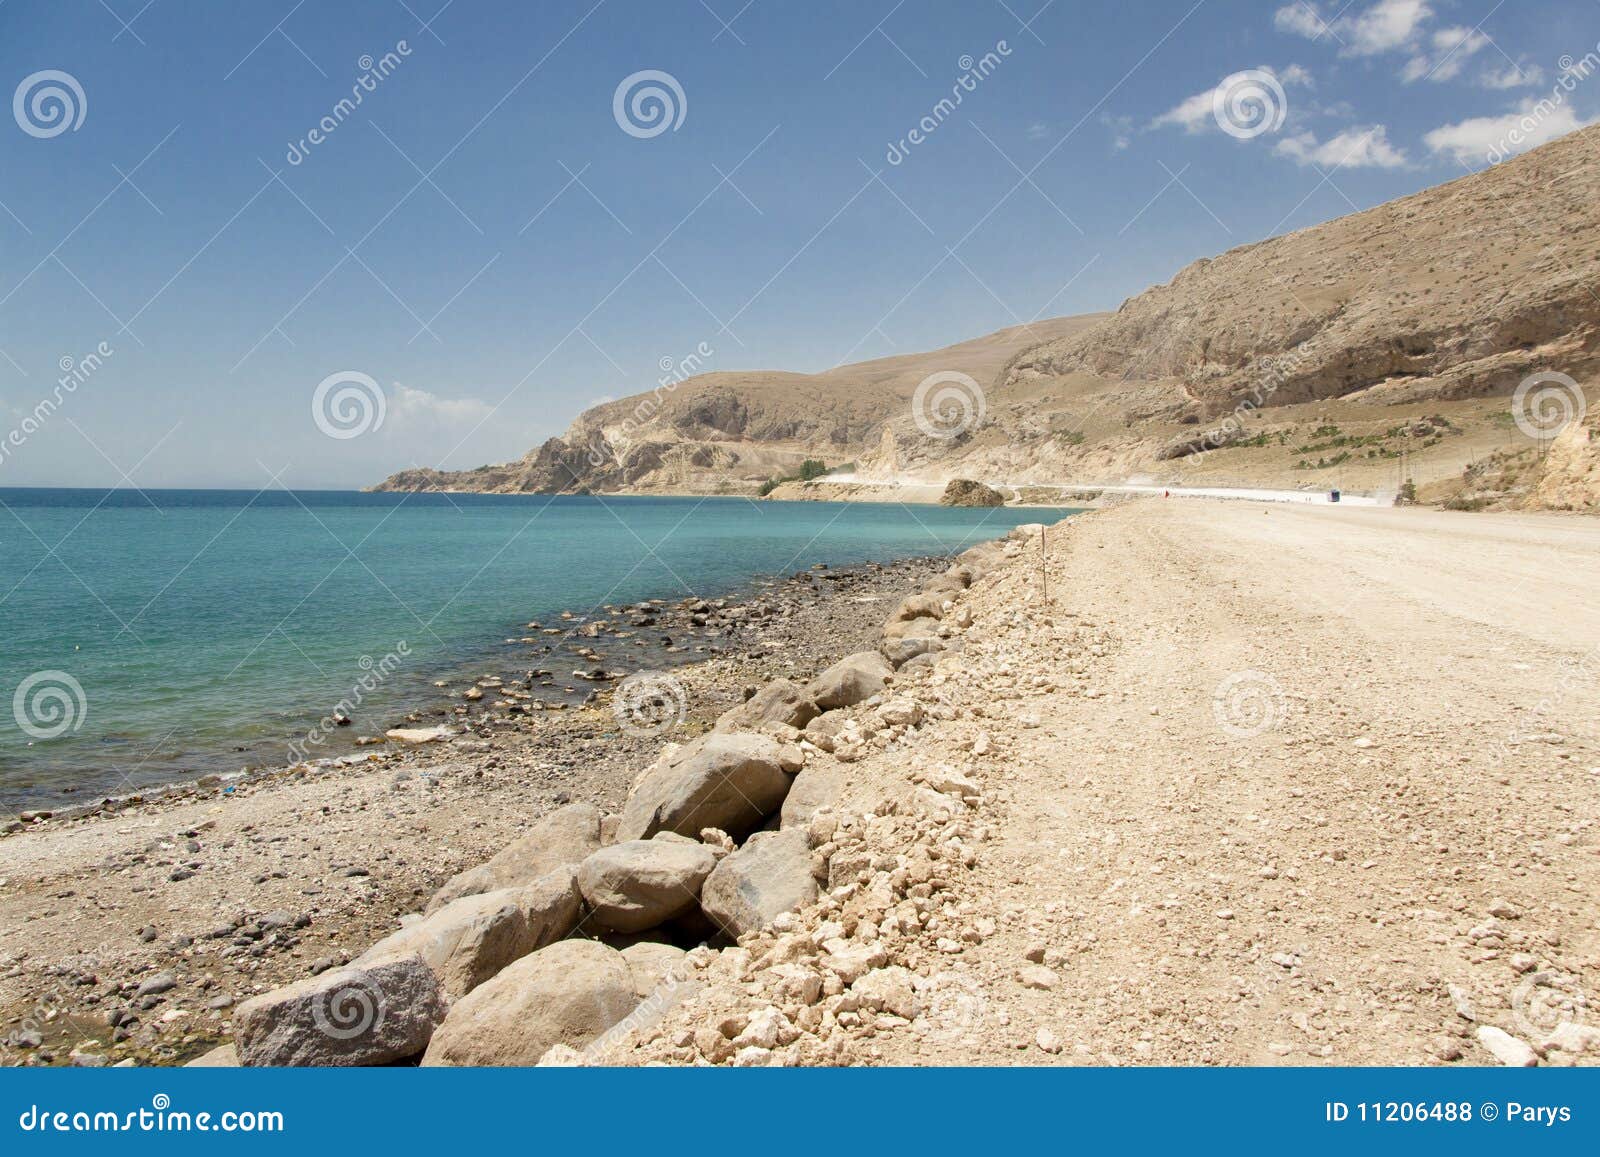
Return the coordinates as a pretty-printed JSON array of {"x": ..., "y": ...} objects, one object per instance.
[{"x": 199, "y": 287}]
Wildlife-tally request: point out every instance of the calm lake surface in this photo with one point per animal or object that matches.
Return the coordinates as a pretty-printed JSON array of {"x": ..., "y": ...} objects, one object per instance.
[{"x": 152, "y": 636}]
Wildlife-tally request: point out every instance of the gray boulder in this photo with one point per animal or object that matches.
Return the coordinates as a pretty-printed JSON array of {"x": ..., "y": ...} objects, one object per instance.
[
  {"x": 470, "y": 939},
  {"x": 850, "y": 680},
  {"x": 567, "y": 994},
  {"x": 767, "y": 877},
  {"x": 732, "y": 782},
  {"x": 780, "y": 701},
  {"x": 565, "y": 836},
  {"x": 638, "y": 884},
  {"x": 362, "y": 1014}
]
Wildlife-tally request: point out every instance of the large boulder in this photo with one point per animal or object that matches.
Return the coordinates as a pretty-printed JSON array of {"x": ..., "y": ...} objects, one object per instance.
[
  {"x": 732, "y": 782},
  {"x": 568, "y": 994},
  {"x": 818, "y": 786},
  {"x": 780, "y": 701},
  {"x": 362, "y": 1014},
  {"x": 565, "y": 836},
  {"x": 638, "y": 884},
  {"x": 923, "y": 606},
  {"x": 901, "y": 649},
  {"x": 767, "y": 877},
  {"x": 470, "y": 939},
  {"x": 850, "y": 680},
  {"x": 966, "y": 492}
]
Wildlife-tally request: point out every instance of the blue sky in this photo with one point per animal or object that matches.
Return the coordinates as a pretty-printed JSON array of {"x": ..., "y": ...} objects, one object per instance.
[{"x": 484, "y": 239}]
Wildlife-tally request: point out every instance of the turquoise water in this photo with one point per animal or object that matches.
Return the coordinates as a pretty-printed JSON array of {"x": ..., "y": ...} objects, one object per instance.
[{"x": 205, "y": 629}]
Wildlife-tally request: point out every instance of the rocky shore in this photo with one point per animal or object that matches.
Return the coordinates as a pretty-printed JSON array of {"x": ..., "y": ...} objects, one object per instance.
[
  {"x": 1106, "y": 792},
  {"x": 228, "y": 887}
]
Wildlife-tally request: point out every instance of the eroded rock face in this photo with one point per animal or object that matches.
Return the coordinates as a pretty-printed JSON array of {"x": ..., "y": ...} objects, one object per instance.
[
  {"x": 850, "y": 680},
  {"x": 565, "y": 836},
  {"x": 732, "y": 782},
  {"x": 567, "y": 994},
  {"x": 363, "y": 1014},
  {"x": 767, "y": 877},
  {"x": 638, "y": 884}
]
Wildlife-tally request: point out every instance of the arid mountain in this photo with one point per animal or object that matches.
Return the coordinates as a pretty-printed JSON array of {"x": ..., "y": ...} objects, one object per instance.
[
  {"x": 729, "y": 432},
  {"x": 1380, "y": 346}
]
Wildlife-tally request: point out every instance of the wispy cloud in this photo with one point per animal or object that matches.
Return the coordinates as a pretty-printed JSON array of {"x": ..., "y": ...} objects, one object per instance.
[
  {"x": 1355, "y": 148},
  {"x": 1197, "y": 113},
  {"x": 1448, "y": 53},
  {"x": 1481, "y": 139},
  {"x": 409, "y": 407},
  {"x": 1519, "y": 75}
]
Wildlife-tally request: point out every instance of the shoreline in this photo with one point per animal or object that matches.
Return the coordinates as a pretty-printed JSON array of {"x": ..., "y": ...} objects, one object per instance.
[{"x": 181, "y": 868}]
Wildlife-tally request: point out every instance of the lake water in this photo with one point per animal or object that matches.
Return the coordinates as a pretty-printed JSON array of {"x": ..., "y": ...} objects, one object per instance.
[{"x": 148, "y": 637}]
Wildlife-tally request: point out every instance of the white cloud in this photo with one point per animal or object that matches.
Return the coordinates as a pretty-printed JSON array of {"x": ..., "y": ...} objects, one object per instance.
[
  {"x": 412, "y": 407},
  {"x": 1300, "y": 19},
  {"x": 1196, "y": 114},
  {"x": 1451, "y": 49},
  {"x": 1386, "y": 26},
  {"x": 1354, "y": 148},
  {"x": 1487, "y": 139},
  {"x": 1511, "y": 76}
]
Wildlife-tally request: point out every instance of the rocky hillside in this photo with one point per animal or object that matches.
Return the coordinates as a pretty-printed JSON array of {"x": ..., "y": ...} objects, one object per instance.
[
  {"x": 732, "y": 431},
  {"x": 1377, "y": 347}
]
